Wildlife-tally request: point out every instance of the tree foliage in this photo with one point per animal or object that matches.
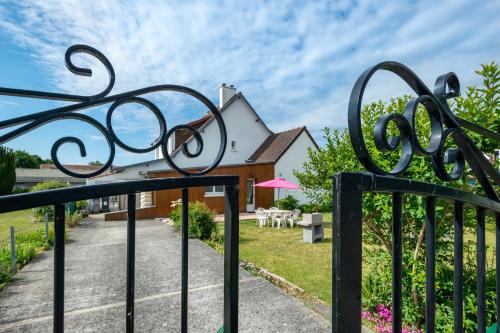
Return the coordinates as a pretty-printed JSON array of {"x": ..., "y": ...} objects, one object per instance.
[
  {"x": 7, "y": 171},
  {"x": 29, "y": 161},
  {"x": 479, "y": 105}
]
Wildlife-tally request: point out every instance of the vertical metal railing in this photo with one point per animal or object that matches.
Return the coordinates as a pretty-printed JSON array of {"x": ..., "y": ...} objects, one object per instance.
[
  {"x": 130, "y": 297},
  {"x": 430, "y": 264},
  {"x": 59, "y": 268},
  {"x": 397, "y": 261},
  {"x": 458, "y": 263},
  {"x": 184, "y": 264},
  {"x": 231, "y": 257},
  {"x": 231, "y": 261},
  {"x": 497, "y": 264},
  {"x": 347, "y": 254},
  {"x": 481, "y": 270},
  {"x": 347, "y": 249}
]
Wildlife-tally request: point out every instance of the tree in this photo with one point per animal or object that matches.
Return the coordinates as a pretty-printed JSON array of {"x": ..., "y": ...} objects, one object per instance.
[
  {"x": 479, "y": 105},
  {"x": 96, "y": 163},
  {"x": 7, "y": 170},
  {"x": 29, "y": 161}
]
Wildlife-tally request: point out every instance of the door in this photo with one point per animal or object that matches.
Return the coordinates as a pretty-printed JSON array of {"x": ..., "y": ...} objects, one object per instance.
[{"x": 250, "y": 195}]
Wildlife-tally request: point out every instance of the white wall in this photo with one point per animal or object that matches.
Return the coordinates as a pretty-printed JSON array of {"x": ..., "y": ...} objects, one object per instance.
[
  {"x": 242, "y": 126},
  {"x": 293, "y": 159}
]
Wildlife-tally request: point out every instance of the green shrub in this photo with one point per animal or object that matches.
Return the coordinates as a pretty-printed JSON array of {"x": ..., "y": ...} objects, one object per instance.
[
  {"x": 73, "y": 219},
  {"x": 39, "y": 212},
  {"x": 377, "y": 288},
  {"x": 18, "y": 190},
  {"x": 82, "y": 205},
  {"x": 28, "y": 246},
  {"x": 201, "y": 222},
  {"x": 7, "y": 170},
  {"x": 315, "y": 208},
  {"x": 288, "y": 202}
]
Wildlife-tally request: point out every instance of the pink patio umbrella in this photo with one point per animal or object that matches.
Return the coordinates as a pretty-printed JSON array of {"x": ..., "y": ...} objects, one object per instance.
[{"x": 278, "y": 183}]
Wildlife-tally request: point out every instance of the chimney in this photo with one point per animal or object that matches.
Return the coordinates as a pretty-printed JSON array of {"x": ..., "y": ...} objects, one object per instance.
[{"x": 225, "y": 94}]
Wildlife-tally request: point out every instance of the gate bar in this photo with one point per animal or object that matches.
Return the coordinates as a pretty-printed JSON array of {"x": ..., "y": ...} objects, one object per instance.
[
  {"x": 497, "y": 264},
  {"x": 58, "y": 321},
  {"x": 231, "y": 257},
  {"x": 184, "y": 265},
  {"x": 430, "y": 264},
  {"x": 459, "y": 267},
  {"x": 347, "y": 253},
  {"x": 397, "y": 258},
  {"x": 481, "y": 267},
  {"x": 131, "y": 202}
]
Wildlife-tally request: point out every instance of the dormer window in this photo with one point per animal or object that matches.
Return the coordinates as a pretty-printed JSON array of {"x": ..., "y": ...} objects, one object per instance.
[{"x": 233, "y": 145}]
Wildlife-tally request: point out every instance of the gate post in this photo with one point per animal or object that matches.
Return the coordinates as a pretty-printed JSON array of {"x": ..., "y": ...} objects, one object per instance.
[
  {"x": 347, "y": 253},
  {"x": 231, "y": 258}
]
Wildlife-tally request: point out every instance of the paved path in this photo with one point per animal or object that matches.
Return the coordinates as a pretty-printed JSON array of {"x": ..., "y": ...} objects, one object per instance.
[{"x": 95, "y": 288}]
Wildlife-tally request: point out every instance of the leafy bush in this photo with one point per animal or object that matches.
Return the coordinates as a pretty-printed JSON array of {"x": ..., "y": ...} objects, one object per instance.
[
  {"x": 7, "y": 170},
  {"x": 39, "y": 212},
  {"x": 28, "y": 246},
  {"x": 377, "y": 288},
  {"x": 82, "y": 205},
  {"x": 288, "y": 202},
  {"x": 73, "y": 219},
  {"x": 18, "y": 190},
  {"x": 201, "y": 222},
  {"x": 315, "y": 208}
]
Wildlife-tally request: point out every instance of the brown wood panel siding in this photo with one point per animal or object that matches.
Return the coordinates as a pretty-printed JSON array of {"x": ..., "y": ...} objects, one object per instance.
[{"x": 263, "y": 197}]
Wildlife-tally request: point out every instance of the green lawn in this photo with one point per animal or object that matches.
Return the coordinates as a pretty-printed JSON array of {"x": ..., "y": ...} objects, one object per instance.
[
  {"x": 21, "y": 220},
  {"x": 309, "y": 266},
  {"x": 283, "y": 252}
]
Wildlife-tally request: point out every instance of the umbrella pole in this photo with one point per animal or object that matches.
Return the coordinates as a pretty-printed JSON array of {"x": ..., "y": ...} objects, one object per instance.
[{"x": 279, "y": 197}]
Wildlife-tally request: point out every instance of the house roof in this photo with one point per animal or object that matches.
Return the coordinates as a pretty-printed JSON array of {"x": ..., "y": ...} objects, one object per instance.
[
  {"x": 24, "y": 175},
  {"x": 198, "y": 124},
  {"x": 276, "y": 145},
  {"x": 211, "y": 118},
  {"x": 183, "y": 135}
]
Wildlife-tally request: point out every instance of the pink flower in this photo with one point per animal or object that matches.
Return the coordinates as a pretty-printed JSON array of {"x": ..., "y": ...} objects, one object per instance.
[{"x": 366, "y": 315}]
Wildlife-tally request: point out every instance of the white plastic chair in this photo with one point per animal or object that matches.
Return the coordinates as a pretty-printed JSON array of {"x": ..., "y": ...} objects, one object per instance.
[
  {"x": 294, "y": 217},
  {"x": 261, "y": 218},
  {"x": 272, "y": 216},
  {"x": 280, "y": 220}
]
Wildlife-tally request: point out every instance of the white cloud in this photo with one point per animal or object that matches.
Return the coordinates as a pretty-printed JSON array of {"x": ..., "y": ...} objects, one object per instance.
[{"x": 295, "y": 61}]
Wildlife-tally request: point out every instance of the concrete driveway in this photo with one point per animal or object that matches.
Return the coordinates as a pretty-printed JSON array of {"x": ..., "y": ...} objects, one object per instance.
[{"x": 95, "y": 287}]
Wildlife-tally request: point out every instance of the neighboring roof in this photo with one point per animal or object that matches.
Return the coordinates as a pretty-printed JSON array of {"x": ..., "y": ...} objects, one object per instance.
[
  {"x": 24, "y": 175},
  {"x": 276, "y": 145},
  {"x": 71, "y": 166}
]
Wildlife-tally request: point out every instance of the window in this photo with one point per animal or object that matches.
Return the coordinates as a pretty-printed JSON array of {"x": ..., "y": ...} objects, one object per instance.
[
  {"x": 233, "y": 145},
  {"x": 214, "y": 191}
]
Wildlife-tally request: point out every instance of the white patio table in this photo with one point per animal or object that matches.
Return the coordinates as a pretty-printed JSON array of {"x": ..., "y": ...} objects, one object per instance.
[{"x": 277, "y": 213}]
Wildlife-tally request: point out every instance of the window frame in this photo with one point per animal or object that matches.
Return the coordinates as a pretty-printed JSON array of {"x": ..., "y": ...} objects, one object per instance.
[{"x": 214, "y": 193}]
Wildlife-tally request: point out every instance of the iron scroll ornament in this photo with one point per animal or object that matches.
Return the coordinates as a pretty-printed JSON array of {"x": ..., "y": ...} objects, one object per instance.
[
  {"x": 35, "y": 120},
  {"x": 444, "y": 125}
]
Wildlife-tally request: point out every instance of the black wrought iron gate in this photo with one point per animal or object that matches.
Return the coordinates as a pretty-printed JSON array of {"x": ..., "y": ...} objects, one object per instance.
[
  {"x": 349, "y": 188},
  {"x": 192, "y": 178}
]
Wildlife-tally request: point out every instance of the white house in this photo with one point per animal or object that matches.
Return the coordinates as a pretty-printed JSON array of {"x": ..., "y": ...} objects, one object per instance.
[{"x": 254, "y": 152}]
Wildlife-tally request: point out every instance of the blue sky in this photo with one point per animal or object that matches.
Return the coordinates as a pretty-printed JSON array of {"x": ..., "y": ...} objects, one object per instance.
[{"x": 295, "y": 61}]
